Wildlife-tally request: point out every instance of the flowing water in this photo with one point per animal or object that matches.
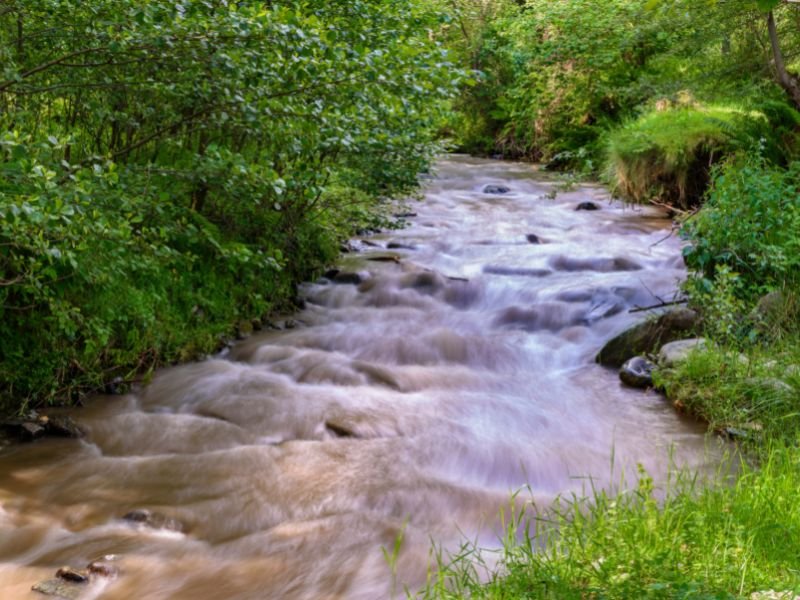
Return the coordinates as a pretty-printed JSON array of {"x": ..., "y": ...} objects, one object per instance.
[{"x": 413, "y": 403}]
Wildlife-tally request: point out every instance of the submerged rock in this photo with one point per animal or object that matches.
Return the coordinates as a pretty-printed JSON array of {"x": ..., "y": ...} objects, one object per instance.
[
  {"x": 154, "y": 520},
  {"x": 637, "y": 372},
  {"x": 400, "y": 246},
  {"x": 674, "y": 353},
  {"x": 496, "y": 189},
  {"x": 649, "y": 336},
  {"x": 587, "y": 206},
  {"x": 58, "y": 588}
]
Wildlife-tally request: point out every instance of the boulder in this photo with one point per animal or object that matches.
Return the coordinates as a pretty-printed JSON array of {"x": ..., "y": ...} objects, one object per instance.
[
  {"x": 637, "y": 372},
  {"x": 496, "y": 189},
  {"x": 649, "y": 336},
  {"x": 587, "y": 206},
  {"x": 674, "y": 353}
]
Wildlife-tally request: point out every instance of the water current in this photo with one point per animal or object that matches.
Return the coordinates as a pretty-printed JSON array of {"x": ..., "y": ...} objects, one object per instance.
[{"x": 451, "y": 365}]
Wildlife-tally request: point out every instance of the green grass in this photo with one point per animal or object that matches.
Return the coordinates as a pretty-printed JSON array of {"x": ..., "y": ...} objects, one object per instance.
[
  {"x": 718, "y": 539},
  {"x": 667, "y": 154},
  {"x": 755, "y": 391}
]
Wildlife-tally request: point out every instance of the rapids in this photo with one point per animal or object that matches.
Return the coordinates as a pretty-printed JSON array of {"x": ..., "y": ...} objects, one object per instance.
[{"x": 409, "y": 404}]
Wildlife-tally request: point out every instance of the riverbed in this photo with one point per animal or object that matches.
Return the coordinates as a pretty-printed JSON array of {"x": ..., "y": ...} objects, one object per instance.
[{"x": 448, "y": 365}]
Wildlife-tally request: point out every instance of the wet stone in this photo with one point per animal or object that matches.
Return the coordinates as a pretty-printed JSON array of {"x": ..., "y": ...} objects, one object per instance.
[
  {"x": 103, "y": 567},
  {"x": 515, "y": 271},
  {"x": 587, "y": 206},
  {"x": 533, "y": 238},
  {"x": 496, "y": 189},
  {"x": 154, "y": 520},
  {"x": 404, "y": 215},
  {"x": 637, "y": 372},
  {"x": 400, "y": 246},
  {"x": 344, "y": 277},
  {"x": 59, "y": 588},
  {"x": 649, "y": 336},
  {"x": 73, "y": 575},
  {"x": 339, "y": 430}
]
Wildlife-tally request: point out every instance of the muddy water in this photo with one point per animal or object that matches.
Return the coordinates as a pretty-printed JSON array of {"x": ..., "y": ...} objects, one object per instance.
[{"x": 415, "y": 402}]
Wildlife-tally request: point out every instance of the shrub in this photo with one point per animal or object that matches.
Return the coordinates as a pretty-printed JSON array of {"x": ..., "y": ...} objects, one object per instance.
[{"x": 749, "y": 224}]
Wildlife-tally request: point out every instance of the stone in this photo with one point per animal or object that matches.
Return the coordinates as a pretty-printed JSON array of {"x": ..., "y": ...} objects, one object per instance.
[
  {"x": 770, "y": 306},
  {"x": 58, "y": 588},
  {"x": 154, "y": 520},
  {"x": 63, "y": 426},
  {"x": 533, "y": 238},
  {"x": 674, "y": 353},
  {"x": 587, "y": 206},
  {"x": 73, "y": 575},
  {"x": 344, "y": 277},
  {"x": 404, "y": 215},
  {"x": 649, "y": 336},
  {"x": 385, "y": 258},
  {"x": 496, "y": 189},
  {"x": 637, "y": 372},
  {"x": 400, "y": 246},
  {"x": 104, "y": 567}
]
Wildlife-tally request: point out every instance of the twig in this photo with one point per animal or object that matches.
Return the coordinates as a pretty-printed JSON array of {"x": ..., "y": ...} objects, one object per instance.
[{"x": 659, "y": 305}]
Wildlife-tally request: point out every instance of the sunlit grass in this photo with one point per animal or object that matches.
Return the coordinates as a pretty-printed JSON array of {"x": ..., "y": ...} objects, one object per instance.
[{"x": 724, "y": 538}]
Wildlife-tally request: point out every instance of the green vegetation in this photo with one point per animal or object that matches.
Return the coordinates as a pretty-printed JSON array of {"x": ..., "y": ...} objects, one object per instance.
[
  {"x": 667, "y": 154},
  {"x": 683, "y": 103},
  {"x": 717, "y": 540},
  {"x": 168, "y": 169}
]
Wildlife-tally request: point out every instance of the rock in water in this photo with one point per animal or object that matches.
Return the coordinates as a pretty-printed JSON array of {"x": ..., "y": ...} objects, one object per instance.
[
  {"x": 58, "y": 588},
  {"x": 73, "y": 575},
  {"x": 587, "y": 206},
  {"x": 496, "y": 189},
  {"x": 151, "y": 519},
  {"x": 674, "y": 353},
  {"x": 649, "y": 336},
  {"x": 637, "y": 372}
]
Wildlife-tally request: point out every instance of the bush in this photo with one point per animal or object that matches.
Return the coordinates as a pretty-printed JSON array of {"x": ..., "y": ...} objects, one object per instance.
[{"x": 749, "y": 224}]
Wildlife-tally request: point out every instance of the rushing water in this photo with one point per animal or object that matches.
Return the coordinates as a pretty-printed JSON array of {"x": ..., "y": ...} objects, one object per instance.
[{"x": 412, "y": 403}]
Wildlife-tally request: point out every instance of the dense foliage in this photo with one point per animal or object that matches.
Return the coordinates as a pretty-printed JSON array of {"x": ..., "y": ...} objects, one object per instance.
[
  {"x": 169, "y": 168},
  {"x": 686, "y": 103},
  {"x": 555, "y": 78}
]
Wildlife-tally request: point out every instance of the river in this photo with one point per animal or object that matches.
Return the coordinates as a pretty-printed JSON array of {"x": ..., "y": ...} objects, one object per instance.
[{"x": 406, "y": 404}]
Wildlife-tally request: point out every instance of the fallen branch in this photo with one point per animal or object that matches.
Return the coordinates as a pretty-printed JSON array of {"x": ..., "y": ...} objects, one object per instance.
[{"x": 659, "y": 305}]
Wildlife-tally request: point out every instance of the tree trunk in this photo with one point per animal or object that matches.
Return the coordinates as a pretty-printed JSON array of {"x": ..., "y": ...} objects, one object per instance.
[{"x": 786, "y": 80}]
